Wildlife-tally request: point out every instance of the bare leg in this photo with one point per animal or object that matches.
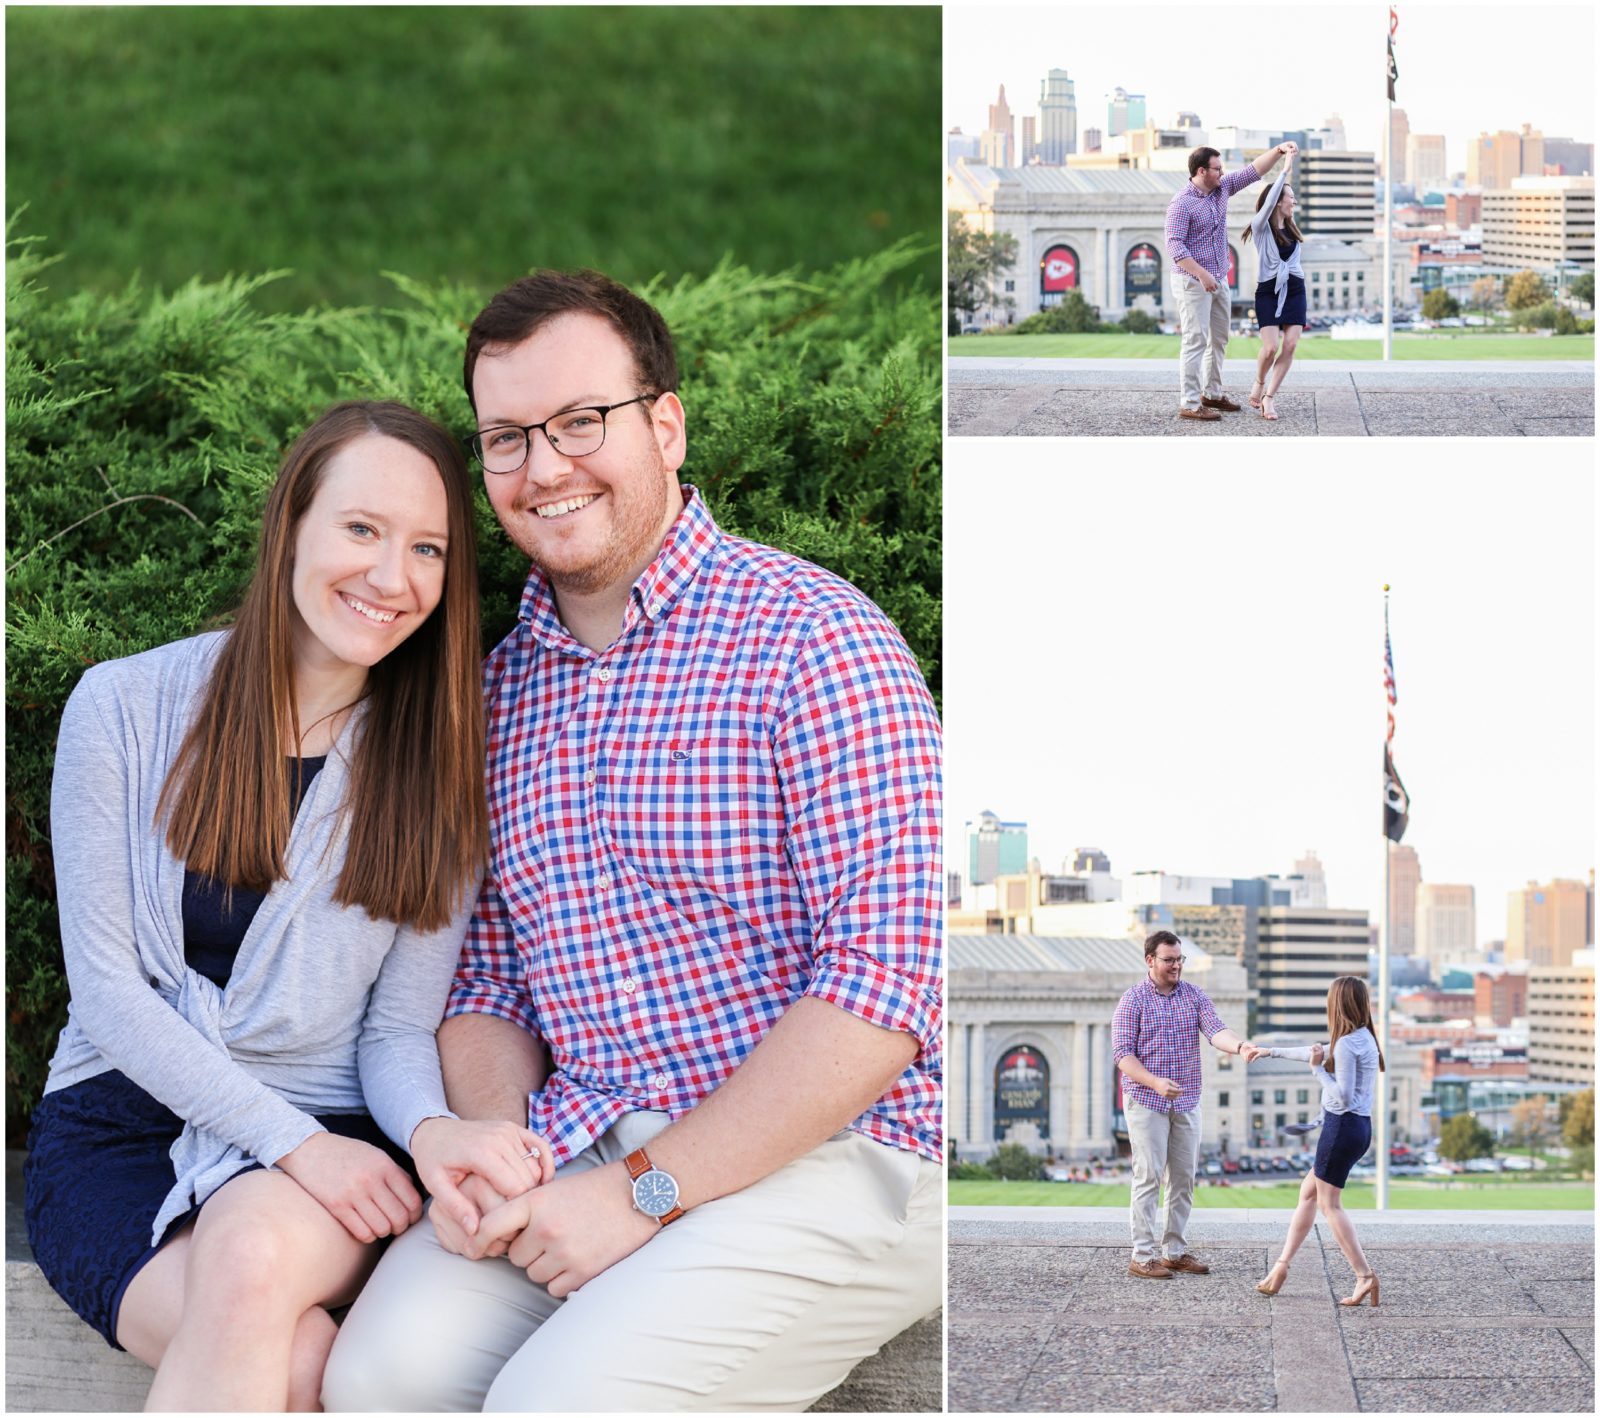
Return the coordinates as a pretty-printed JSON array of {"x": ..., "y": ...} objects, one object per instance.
[
  {"x": 1305, "y": 1215},
  {"x": 1291, "y": 338},
  {"x": 230, "y": 1311},
  {"x": 1269, "y": 352},
  {"x": 1331, "y": 1200}
]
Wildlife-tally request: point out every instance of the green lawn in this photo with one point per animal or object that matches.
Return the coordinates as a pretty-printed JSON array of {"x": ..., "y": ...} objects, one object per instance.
[
  {"x": 1405, "y": 1194},
  {"x": 468, "y": 143},
  {"x": 1464, "y": 347}
]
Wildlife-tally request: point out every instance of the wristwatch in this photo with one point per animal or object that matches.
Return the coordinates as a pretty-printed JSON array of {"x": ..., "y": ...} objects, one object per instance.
[{"x": 654, "y": 1192}]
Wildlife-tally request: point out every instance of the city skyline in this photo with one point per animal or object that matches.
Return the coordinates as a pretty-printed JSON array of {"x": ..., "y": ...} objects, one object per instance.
[
  {"x": 1214, "y": 706},
  {"x": 1542, "y": 67}
]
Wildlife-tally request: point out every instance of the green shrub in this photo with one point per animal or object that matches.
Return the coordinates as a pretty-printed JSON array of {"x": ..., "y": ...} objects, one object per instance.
[
  {"x": 1545, "y": 316},
  {"x": 1463, "y": 1137},
  {"x": 1140, "y": 322},
  {"x": 1012, "y": 1162},
  {"x": 143, "y": 430},
  {"x": 1072, "y": 315},
  {"x": 1439, "y": 304},
  {"x": 970, "y": 1172}
]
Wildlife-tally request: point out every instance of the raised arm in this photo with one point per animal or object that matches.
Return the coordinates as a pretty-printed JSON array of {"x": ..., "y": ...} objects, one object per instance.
[{"x": 1258, "y": 223}]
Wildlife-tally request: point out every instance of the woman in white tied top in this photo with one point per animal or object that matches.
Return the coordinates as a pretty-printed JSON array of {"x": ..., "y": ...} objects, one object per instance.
[
  {"x": 1280, "y": 290},
  {"x": 1349, "y": 1082}
]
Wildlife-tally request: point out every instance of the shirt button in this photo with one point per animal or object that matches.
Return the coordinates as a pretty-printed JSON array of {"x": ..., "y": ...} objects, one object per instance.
[
  {"x": 603, "y": 674},
  {"x": 629, "y": 986},
  {"x": 661, "y": 1081},
  {"x": 590, "y": 776},
  {"x": 604, "y": 883}
]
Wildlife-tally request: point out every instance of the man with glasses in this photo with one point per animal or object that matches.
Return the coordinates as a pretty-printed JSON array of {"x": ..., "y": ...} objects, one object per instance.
[
  {"x": 705, "y": 964},
  {"x": 1155, "y": 1044},
  {"x": 1197, "y": 242}
]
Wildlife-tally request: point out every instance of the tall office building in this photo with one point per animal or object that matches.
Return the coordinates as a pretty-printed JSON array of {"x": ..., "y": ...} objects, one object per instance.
[
  {"x": 1565, "y": 157},
  {"x": 1426, "y": 165},
  {"x": 1309, "y": 867},
  {"x": 1030, "y": 139},
  {"x": 1546, "y": 924},
  {"x": 1399, "y": 131},
  {"x": 1335, "y": 192},
  {"x": 1498, "y": 159},
  {"x": 1058, "y": 118},
  {"x": 1538, "y": 223},
  {"x": 999, "y": 147},
  {"x": 1561, "y": 1021},
  {"x": 1405, "y": 875},
  {"x": 1333, "y": 133},
  {"x": 962, "y": 145},
  {"x": 1299, "y": 951},
  {"x": 995, "y": 848},
  {"x": 1092, "y": 138},
  {"x": 1123, "y": 111},
  {"x": 1446, "y": 925}
]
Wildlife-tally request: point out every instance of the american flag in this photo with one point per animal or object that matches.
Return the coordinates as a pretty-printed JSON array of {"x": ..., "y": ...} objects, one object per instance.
[{"x": 1388, "y": 670}]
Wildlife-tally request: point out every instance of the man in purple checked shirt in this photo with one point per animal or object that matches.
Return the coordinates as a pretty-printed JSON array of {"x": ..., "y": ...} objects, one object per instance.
[
  {"x": 1155, "y": 1043},
  {"x": 1197, "y": 242}
]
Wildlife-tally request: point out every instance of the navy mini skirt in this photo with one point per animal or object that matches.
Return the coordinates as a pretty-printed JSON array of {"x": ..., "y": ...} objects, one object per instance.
[
  {"x": 1294, "y": 304},
  {"x": 97, "y": 1172},
  {"x": 1344, "y": 1142}
]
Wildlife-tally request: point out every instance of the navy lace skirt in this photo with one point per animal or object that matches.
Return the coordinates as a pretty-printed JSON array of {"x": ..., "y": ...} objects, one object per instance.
[
  {"x": 1344, "y": 1142},
  {"x": 97, "y": 1172}
]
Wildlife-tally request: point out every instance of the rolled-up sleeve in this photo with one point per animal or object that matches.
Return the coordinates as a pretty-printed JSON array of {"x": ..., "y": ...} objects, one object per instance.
[
  {"x": 1124, "y": 1030},
  {"x": 490, "y": 977},
  {"x": 1177, "y": 230},
  {"x": 1206, "y": 1015},
  {"x": 857, "y": 745},
  {"x": 1238, "y": 181}
]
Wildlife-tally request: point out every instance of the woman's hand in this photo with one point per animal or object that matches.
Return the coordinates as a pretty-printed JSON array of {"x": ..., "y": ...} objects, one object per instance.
[
  {"x": 449, "y": 1150},
  {"x": 359, "y": 1184},
  {"x": 1316, "y": 1057}
]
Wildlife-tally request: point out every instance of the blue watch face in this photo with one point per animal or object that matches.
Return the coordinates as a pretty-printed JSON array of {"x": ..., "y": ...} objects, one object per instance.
[{"x": 655, "y": 1194}]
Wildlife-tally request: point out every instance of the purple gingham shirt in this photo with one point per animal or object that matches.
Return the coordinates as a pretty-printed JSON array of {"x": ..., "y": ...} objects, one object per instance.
[
  {"x": 1197, "y": 223},
  {"x": 733, "y": 806},
  {"x": 1163, "y": 1033}
]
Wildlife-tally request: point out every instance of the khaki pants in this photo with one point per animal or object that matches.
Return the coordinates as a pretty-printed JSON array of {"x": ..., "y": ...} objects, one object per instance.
[
  {"x": 1203, "y": 316},
  {"x": 762, "y": 1300},
  {"x": 1165, "y": 1145}
]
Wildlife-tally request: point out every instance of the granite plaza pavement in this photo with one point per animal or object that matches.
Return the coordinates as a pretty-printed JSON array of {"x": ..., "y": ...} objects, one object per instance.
[
  {"x": 1480, "y": 1311},
  {"x": 1055, "y": 398}
]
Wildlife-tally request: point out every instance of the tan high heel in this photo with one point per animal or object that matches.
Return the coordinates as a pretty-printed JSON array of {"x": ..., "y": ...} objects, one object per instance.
[
  {"x": 1266, "y": 1287},
  {"x": 1365, "y": 1285}
]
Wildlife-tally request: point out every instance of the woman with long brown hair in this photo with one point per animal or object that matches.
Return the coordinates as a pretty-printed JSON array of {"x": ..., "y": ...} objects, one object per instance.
[
  {"x": 1349, "y": 1078},
  {"x": 1280, "y": 289},
  {"x": 267, "y": 841}
]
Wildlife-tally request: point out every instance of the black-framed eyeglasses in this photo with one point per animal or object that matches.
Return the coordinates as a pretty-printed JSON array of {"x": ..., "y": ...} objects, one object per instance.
[{"x": 573, "y": 433}]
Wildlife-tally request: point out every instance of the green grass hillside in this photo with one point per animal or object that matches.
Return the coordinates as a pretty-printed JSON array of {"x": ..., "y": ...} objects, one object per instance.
[
  {"x": 1405, "y": 1194},
  {"x": 1406, "y": 347}
]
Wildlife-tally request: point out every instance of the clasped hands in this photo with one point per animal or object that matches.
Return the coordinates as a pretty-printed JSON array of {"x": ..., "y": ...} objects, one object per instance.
[
  {"x": 1251, "y": 1052},
  {"x": 563, "y": 1231}
]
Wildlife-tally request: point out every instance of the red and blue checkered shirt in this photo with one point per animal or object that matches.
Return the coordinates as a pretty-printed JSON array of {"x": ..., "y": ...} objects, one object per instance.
[
  {"x": 1163, "y": 1033},
  {"x": 1197, "y": 225},
  {"x": 735, "y": 805}
]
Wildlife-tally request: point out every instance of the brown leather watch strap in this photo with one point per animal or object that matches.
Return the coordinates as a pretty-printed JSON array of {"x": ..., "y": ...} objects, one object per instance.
[{"x": 638, "y": 1164}]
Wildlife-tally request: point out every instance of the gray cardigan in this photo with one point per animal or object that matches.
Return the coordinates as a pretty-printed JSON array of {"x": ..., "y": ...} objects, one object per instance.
[
  {"x": 327, "y": 1009},
  {"x": 1269, "y": 264}
]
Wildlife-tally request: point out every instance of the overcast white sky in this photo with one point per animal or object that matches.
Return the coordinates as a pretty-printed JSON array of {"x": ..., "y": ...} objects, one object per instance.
[
  {"x": 1463, "y": 68},
  {"x": 1177, "y": 658}
]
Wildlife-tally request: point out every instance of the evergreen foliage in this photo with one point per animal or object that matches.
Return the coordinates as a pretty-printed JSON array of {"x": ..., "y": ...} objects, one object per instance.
[
  {"x": 1071, "y": 315},
  {"x": 1012, "y": 1162},
  {"x": 143, "y": 429},
  {"x": 1463, "y": 1137}
]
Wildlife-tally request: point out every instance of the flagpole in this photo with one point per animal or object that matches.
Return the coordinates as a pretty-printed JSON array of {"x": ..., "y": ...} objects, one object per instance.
[
  {"x": 1388, "y": 240},
  {"x": 1382, "y": 1099}
]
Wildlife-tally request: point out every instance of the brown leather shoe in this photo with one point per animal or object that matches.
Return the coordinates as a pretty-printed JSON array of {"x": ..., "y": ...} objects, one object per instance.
[
  {"x": 1149, "y": 1269},
  {"x": 1188, "y": 1264},
  {"x": 1204, "y": 415},
  {"x": 1224, "y": 403}
]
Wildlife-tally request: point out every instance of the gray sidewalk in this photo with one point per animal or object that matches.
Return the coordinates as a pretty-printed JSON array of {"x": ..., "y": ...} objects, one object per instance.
[
  {"x": 1350, "y": 398},
  {"x": 1480, "y": 1312}
]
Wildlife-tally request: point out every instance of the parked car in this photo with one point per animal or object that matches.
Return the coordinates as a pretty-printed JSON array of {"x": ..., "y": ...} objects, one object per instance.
[
  {"x": 972, "y": 329},
  {"x": 1281, "y": 1164},
  {"x": 1230, "y": 1165},
  {"x": 1247, "y": 1164},
  {"x": 1482, "y": 1164},
  {"x": 1442, "y": 1169},
  {"x": 1212, "y": 1168}
]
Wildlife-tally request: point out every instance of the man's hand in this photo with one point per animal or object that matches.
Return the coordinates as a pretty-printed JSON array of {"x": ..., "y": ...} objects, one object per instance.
[
  {"x": 1250, "y": 1052},
  {"x": 453, "y": 1235},
  {"x": 1208, "y": 282},
  {"x": 1167, "y": 1088},
  {"x": 568, "y": 1232},
  {"x": 1288, "y": 149},
  {"x": 1316, "y": 1057},
  {"x": 448, "y": 1150},
  {"x": 361, "y": 1187}
]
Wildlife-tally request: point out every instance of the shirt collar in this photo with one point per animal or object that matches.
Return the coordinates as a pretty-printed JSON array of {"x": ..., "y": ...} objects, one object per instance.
[{"x": 689, "y": 545}]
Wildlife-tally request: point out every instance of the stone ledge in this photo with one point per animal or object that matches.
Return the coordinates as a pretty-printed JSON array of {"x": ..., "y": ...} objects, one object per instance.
[{"x": 56, "y": 1364}]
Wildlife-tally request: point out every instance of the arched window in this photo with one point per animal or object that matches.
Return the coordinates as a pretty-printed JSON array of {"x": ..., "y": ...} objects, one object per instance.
[
  {"x": 1058, "y": 273},
  {"x": 1233, "y": 268},
  {"x": 1142, "y": 272},
  {"x": 1021, "y": 1091}
]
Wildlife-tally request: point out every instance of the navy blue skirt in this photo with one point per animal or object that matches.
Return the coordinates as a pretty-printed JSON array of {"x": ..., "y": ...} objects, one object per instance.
[
  {"x": 1294, "y": 304},
  {"x": 97, "y": 1172},
  {"x": 1344, "y": 1142}
]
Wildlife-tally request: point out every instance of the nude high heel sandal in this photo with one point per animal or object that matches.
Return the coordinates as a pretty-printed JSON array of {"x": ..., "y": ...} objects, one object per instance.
[
  {"x": 1365, "y": 1285},
  {"x": 1266, "y": 1287}
]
